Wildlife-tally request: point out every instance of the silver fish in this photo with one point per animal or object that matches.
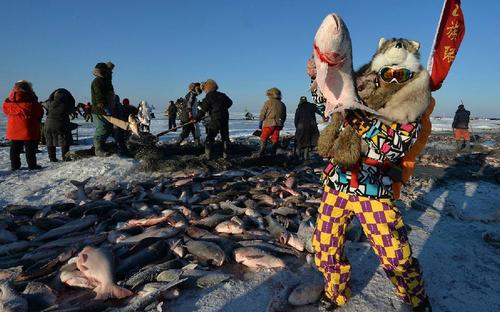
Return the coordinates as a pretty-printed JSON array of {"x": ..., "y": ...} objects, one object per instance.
[
  {"x": 70, "y": 227},
  {"x": 333, "y": 61}
]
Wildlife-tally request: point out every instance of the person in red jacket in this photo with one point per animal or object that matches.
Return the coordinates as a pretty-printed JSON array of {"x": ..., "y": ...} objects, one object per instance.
[{"x": 24, "y": 115}]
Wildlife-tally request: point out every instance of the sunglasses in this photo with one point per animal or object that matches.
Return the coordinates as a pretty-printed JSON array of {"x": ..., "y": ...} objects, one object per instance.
[{"x": 394, "y": 74}]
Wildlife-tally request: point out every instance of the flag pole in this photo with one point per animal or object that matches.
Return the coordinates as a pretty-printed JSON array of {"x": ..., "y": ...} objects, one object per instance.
[{"x": 431, "y": 55}]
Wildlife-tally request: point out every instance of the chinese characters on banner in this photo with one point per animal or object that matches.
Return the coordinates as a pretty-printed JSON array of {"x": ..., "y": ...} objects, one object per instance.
[{"x": 450, "y": 33}]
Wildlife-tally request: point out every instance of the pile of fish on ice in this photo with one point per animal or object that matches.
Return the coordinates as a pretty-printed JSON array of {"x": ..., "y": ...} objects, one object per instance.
[{"x": 131, "y": 247}]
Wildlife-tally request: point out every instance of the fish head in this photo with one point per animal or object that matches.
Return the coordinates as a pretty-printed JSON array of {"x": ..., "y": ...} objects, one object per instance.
[{"x": 332, "y": 43}]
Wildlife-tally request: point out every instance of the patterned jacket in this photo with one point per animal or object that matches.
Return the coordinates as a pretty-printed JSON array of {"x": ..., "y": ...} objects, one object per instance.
[{"x": 387, "y": 144}]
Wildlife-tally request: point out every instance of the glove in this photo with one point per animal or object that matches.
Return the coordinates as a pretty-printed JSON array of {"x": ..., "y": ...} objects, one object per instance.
[{"x": 260, "y": 124}]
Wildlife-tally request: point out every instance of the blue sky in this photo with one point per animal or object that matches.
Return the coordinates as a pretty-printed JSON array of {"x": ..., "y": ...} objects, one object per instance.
[{"x": 159, "y": 47}]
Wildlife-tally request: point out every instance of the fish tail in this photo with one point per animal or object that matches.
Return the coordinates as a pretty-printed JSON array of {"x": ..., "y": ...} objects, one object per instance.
[
  {"x": 104, "y": 292},
  {"x": 79, "y": 184}
]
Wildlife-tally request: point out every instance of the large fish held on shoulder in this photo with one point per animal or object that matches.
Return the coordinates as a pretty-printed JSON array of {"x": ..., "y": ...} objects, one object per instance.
[{"x": 333, "y": 65}]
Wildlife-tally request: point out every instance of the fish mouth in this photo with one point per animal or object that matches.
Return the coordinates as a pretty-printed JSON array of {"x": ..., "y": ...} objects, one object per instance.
[{"x": 331, "y": 58}]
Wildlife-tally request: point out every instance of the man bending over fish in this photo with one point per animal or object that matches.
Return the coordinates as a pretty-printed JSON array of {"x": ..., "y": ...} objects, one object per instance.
[{"x": 365, "y": 190}]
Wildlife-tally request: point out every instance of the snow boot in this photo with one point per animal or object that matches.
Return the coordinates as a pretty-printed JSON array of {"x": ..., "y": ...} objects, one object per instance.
[
  {"x": 99, "y": 148},
  {"x": 64, "y": 151},
  {"x": 262, "y": 149},
  {"x": 274, "y": 148},
  {"x": 51, "y": 150},
  {"x": 326, "y": 304}
]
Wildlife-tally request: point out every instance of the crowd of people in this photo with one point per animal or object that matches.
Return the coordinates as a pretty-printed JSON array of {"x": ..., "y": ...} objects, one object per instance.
[{"x": 26, "y": 128}]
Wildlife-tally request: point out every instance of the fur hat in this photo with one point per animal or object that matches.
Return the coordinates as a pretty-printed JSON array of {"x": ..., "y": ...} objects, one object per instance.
[
  {"x": 210, "y": 85},
  {"x": 193, "y": 85},
  {"x": 274, "y": 93},
  {"x": 101, "y": 70},
  {"x": 23, "y": 86}
]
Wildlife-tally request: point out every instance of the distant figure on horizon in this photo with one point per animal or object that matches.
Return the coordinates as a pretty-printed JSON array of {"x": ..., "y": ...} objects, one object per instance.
[
  {"x": 186, "y": 114},
  {"x": 306, "y": 133},
  {"x": 217, "y": 105},
  {"x": 172, "y": 115},
  {"x": 460, "y": 127},
  {"x": 24, "y": 115},
  {"x": 144, "y": 116},
  {"x": 59, "y": 105},
  {"x": 272, "y": 118}
]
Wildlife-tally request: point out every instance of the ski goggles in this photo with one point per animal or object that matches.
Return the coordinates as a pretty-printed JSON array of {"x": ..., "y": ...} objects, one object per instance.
[{"x": 395, "y": 74}]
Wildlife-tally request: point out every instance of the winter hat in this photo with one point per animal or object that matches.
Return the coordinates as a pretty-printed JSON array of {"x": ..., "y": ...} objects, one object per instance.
[
  {"x": 210, "y": 85},
  {"x": 274, "y": 93},
  {"x": 100, "y": 70},
  {"x": 126, "y": 102},
  {"x": 23, "y": 85},
  {"x": 303, "y": 99}
]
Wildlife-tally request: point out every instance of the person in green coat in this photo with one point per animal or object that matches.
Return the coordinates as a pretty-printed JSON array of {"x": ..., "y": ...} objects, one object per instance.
[{"x": 103, "y": 96}]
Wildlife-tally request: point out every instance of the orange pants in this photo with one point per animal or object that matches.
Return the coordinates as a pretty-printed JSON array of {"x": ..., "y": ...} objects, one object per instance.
[
  {"x": 461, "y": 133},
  {"x": 273, "y": 132}
]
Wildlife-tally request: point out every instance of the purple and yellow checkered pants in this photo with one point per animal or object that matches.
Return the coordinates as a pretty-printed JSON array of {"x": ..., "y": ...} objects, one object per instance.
[{"x": 383, "y": 226}]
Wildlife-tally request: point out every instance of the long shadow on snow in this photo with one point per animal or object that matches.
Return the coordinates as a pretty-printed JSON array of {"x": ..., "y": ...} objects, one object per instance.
[{"x": 450, "y": 273}]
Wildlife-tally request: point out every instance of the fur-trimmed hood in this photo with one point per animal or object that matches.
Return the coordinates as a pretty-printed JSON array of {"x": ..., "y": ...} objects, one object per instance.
[
  {"x": 274, "y": 93},
  {"x": 210, "y": 85}
]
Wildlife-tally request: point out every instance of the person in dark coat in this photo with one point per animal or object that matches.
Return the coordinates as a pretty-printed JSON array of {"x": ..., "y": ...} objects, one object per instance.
[
  {"x": 172, "y": 115},
  {"x": 24, "y": 115},
  {"x": 60, "y": 105},
  {"x": 460, "y": 127},
  {"x": 306, "y": 133},
  {"x": 128, "y": 109},
  {"x": 186, "y": 114},
  {"x": 217, "y": 105},
  {"x": 103, "y": 103}
]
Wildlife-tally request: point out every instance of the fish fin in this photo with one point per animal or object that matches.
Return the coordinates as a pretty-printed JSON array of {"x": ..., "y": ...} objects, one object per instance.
[{"x": 104, "y": 292}]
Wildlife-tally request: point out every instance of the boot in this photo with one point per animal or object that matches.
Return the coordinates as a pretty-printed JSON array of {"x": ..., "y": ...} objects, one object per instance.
[
  {"x": 458, "y": 146},
  {"x": 326, "y": 304},
  {"x": 51, "y": 150},
  {"x": 179, "y": 141},
  {"x": 99, "y": 148},
  {"x": 274, "y": 148},
  {"x": 225, "y": 150},
  {"x": 425, "y": 306},
  {"x": 64, "y": 151},
  {"x": 262, "y": 149},
  {"x": 208, "y": 151},
  {"x": 30, "y": 149}
]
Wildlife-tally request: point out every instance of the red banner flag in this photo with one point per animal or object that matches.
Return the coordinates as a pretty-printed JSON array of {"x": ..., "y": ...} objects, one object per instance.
[{"x": 449, "y": 35}]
